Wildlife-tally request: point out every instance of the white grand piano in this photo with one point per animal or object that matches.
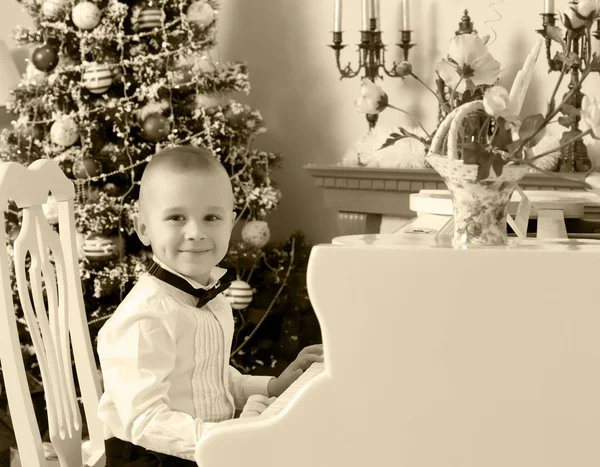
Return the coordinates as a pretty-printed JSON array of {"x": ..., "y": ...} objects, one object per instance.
[{"x": 439, "y": 357}]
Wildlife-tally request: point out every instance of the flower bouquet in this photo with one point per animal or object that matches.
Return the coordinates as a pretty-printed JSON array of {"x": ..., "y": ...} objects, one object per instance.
[{"x": 482, "y": 147}]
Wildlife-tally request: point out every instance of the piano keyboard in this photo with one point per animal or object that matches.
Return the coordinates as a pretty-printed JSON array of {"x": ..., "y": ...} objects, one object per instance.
[{"x": 286, "y": 397}]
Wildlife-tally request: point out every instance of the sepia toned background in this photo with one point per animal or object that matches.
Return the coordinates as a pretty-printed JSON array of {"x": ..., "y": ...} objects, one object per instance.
[{"x": 309, "y": 112}]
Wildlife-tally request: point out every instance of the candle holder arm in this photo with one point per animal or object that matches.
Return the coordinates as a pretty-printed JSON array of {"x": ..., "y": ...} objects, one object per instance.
[{"x": 347, "y": 71}]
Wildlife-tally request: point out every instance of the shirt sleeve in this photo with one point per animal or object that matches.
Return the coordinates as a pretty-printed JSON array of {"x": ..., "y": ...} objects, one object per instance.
[
  {"x": 243, "y": 386},
  {"x": 136, "y": 356}
]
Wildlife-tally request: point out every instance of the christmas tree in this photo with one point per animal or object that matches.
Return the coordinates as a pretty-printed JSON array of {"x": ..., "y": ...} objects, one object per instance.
[{"x": 111, "y": 82}]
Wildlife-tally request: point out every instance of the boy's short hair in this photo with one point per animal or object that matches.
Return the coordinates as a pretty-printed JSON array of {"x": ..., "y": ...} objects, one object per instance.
[
  {"x": 183, "y": 158},
  {"x": 180, "y": 159}
]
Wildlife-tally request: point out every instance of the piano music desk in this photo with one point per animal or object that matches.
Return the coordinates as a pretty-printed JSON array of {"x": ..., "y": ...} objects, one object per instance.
[{"x": 441, "y": 357}]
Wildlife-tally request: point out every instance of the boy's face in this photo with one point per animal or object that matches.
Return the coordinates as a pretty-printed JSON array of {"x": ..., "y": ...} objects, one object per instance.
[{"x": 187, "y": 219}]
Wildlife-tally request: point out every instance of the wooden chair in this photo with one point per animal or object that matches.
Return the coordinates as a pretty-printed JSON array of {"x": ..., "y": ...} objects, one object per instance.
[{"x": 55, "y": 316}]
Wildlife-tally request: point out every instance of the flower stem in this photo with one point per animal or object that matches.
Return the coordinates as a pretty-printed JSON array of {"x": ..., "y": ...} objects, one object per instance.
[
  {"x": 558, "y": 148},
  {"x": 411, "y": 116},
  {"x": 558, "y": 81},
  {"x": 454, "y": 92},
  {"x": 442, "y": 103},
  {"x": 555, "y": 112}
]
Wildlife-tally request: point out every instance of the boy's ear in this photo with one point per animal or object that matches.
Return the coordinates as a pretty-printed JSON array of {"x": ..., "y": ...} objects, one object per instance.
[
  {"x": 141, "y": 229},
  {"x": 233, "y": 218}
]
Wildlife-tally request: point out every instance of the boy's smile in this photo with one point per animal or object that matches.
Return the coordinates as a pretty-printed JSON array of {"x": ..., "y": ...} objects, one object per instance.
[{"x": 187, "y": 217}]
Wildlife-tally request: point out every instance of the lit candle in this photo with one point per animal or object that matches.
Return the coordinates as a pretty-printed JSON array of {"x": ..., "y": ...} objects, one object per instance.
[
  {"x": 548, "y": 6},
  {"x": 365, "y": 15},
  {"x": 405, "y": 16},
  {"x": 337, "y": 16}
]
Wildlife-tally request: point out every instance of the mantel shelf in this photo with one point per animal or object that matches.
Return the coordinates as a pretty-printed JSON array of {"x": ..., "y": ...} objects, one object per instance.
[{"x": 363, "y": 195}]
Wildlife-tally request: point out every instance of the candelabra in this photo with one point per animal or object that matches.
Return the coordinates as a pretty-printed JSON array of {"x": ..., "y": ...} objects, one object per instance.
[
  {"x": 574, "y": 156},
  {"x": 371, "y": 57}
]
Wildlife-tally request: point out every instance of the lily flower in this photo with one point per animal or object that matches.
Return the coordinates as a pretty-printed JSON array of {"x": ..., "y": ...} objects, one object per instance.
[{"x": 468, "y": 60}]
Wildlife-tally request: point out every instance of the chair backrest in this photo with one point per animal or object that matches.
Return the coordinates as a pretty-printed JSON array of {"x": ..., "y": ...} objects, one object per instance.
[{"x": 47, "y": 271}]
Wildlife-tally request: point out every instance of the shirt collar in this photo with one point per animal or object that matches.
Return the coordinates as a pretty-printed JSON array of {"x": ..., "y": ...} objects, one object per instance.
[{"x": 215, "y": 274}]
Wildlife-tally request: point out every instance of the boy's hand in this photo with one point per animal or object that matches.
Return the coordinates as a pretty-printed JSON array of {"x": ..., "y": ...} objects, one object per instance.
[
  {"x": 255, "y": 405},
  {"x": 306, "y": 357}
]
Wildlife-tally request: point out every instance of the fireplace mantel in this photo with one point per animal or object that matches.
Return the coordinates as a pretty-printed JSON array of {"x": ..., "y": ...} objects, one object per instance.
[{"x": 365, "y": 198}]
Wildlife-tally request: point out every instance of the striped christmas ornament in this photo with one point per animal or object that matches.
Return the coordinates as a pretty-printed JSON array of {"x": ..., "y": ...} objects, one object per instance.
[
  {"x": 149, "y": 18},
  {"x": 98, "y": 247},
  {"x": 86, "y": 15},
  {"x": 53, "y": 9},
  {"x": 239, "y": 295},
  {"x": 97, "y": 78}
]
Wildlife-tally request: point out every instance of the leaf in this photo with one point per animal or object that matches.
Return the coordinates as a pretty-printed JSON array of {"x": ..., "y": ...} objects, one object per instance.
[
  {"x": 498, "y": 164},
  {"x": 567, "y": 120},
  {"x": 483, "y": 170},
  {"x": 393, "y": 138},
  {"x": 513, "y": 147},
  {"x": 551, "y": 107},
  {"x": 568, "y": 135},
  {"x": 529, "y": 127},
  {"x": 569, "y": 109},
  {"x": 473, "y": 152},
  {"x": 503, "y": 136},
  {"x": 555, "y": 33}
]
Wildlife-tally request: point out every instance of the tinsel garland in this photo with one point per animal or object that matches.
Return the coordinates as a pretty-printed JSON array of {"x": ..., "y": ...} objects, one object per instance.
[{"x": 168, "y": 70}]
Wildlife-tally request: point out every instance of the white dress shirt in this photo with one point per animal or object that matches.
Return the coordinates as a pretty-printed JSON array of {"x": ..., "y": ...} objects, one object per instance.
[{"x": 165, "y": 365}]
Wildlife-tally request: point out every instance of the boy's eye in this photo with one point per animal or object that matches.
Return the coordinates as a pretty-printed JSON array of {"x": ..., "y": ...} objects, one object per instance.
[
  {"x": 211, "y": 218},
  {"x": 176, "y": 218}
]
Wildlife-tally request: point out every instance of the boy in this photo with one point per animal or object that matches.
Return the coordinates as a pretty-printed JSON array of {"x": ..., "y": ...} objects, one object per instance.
[{"x": 164, "y": 353}]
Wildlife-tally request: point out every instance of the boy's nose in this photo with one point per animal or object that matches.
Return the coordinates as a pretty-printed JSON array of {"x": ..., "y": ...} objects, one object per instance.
[{"x": 193, "y": 231}]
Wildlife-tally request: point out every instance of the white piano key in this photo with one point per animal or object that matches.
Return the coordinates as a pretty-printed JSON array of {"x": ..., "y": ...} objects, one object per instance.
[{"x": 290, "y": 393}]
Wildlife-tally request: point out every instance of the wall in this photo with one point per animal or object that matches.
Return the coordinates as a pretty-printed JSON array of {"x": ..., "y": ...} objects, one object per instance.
[{"x": 309, "y": 112}]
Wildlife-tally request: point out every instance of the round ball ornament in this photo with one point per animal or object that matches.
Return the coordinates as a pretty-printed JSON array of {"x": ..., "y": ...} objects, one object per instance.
[
  {"x": 45, "y": 58},
  {"x": 64, "y": 132},
  {"x": 97, "y": 78},
  {"x": 86, "y": 167},
  {"x": 53, "y": 9},
  {"x": 256, "y": 233},
  {"x": 149, "y": 18},
  {"x": 239, "y": 295},
  {"x": 86, "y": 15},
  {"x": 98, "y": 247},
  {"x": 155, "y": 128},
  {"x": 200, "y": 14}
]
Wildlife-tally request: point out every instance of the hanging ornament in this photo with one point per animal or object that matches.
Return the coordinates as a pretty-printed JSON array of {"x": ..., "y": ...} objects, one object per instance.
[
  {"x": 155, "y": 128},
  {"x": 97, "y": 78},
  {"x": 32, "y": 131},
  {"x": 116, "y": 73},
  {"x": 239, "y": 295},
  {"x": 86, "y": 15},
  {"x": 149, "y": 18},
  {"x": 45, "y": 58},
  {"x": 50, "y": 209},
  {"x": 237, "y": 117},
  {"x": 99, "y": 247},
  {"x": 256, "y": 233},
  {"x": 200, "y": 14},
  {"x": 86, "y": 167},
  {"x": 64, "y": 132},
  {"x": 53, "y": 9}
]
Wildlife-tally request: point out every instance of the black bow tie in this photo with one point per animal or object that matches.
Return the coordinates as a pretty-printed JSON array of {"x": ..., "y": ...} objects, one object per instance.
[{"x": 203, "y": 295}]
